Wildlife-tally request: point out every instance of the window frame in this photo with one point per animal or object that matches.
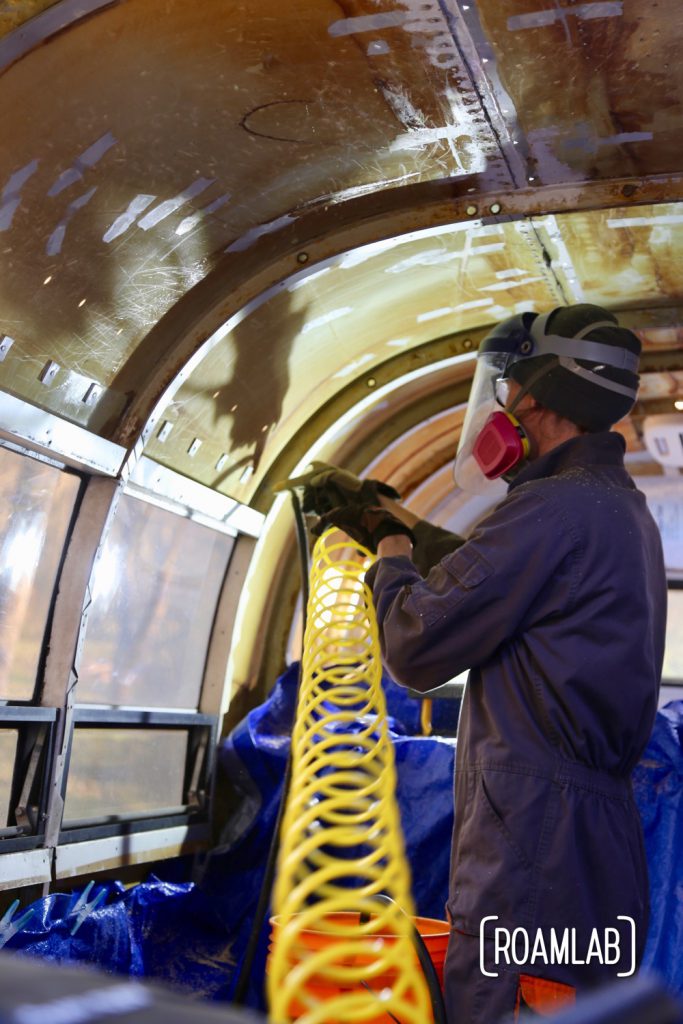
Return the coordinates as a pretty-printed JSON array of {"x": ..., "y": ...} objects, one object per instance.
[
  {"x": 671, "y": 682},
  {"x": 202, "y": 731},
  {"x": 46, "y": 724},
  {"x": 35, "y": 725}
]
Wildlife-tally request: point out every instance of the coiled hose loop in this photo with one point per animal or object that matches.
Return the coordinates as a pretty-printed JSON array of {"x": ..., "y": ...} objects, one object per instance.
[{"x": 339, "y": 956}]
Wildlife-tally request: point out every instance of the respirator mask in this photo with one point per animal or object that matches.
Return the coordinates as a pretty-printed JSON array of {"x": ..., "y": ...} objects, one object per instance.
[{"x": 492, "y": 442}]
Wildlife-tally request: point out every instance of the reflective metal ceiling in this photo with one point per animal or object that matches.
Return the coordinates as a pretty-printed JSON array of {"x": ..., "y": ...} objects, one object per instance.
[{"x": 236, "y": 218}]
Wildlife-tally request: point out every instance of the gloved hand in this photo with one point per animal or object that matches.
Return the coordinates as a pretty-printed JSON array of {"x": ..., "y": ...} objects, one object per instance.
[
  {"x": 327, "y": 487},
  {"x": 366, "y": 524}
]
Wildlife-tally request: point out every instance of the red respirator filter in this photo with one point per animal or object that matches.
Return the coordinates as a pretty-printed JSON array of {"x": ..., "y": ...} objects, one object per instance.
[{"x": 500, "y": 445}]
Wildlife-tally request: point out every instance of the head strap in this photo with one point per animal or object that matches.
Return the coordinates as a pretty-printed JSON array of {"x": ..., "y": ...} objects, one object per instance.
[{"x": 579, "y": 348}]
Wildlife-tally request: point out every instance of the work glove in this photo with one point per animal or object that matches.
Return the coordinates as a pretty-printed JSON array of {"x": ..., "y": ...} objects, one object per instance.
[
  {"x": 327, "y": 487},
  {"x": 368, "y": 525}
]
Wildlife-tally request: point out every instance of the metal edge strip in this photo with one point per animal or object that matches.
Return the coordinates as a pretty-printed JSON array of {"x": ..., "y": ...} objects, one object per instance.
[
  {"x": 25, "y": 867},
  {"x": 151, "y": 481},
  {"x": 39, "y": 28},
  {"x": 139, "y": 716},
  {"x": 49, "y": 436},
  {"x": 58, "y": 438},
  {"x": 134, "y": 848}
]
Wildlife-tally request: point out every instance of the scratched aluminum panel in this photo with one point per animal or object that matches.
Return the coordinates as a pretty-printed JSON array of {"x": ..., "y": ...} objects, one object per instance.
[
  {"x": 265, "y": 380},
  {"x": 620, "y": 257},
  {"x": 261, "y": 384},
  {"x": 158, "y": 138},
  {"x": 595, "y": 89}
]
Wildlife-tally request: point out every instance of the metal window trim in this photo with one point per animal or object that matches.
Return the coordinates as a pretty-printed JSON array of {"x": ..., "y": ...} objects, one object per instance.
[
  {"x": 25, "y": 867},
  {"x": 28, "y": 430},
  {"x": 98, "y": 854},
  {"x": 35, "y": 728},
  {"x": 67, "y": 633},
  {"x": 212, "y": 699},
  {"x": 16, "y": 714},
  {"x": 141, "y": 717},
  {"x": 150, "y": 481},
  {"x": 87, "y": 537},
  {"x": 198, "y": 777},
  {"x": 48, "y": 435},
  {"x": 119, "y": 829},
  {"x": 30, "y": 453},
  {"x": 120, "y": 824},
  {"x": 13, "y": 841},
  {"x": 29, "y": 802}
]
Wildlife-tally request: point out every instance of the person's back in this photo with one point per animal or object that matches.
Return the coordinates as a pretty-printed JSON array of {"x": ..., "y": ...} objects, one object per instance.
[{"x": 587, "y": 651}]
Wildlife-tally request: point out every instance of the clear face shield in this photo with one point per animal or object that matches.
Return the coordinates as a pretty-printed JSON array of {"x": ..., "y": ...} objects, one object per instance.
[{"x": 487, "y": 396}]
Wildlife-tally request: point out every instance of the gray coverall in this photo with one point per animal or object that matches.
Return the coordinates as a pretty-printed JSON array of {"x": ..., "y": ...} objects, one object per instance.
[{"x": 557, "y": 604}]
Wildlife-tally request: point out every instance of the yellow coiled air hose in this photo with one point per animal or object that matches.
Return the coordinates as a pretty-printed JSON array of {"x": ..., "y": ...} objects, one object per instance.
[{"x": 337, "y": 954}]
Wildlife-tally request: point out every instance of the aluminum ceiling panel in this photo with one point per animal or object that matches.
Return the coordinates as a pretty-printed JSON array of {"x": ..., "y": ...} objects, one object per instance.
[
  {"x": 594, "y": 89},
  {"x": 260, "y": 385},
  {"x": 620, "y": 257},
  {"x": 171, "y": 137},
  {"x": 266, "y": 379},
  {"x": 168, "y": 142}
]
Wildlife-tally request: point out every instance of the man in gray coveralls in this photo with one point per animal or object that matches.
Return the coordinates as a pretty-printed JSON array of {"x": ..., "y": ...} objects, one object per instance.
[{"x": 557, "y": 605}]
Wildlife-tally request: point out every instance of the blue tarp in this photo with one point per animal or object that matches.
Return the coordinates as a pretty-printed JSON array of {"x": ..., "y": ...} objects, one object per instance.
[
  {"x": 194, "y": 934},
  {"x": 658, "y": 789}
]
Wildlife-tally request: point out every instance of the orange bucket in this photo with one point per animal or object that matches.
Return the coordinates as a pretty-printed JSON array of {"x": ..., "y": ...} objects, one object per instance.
[{"x": 434, "y": 935}]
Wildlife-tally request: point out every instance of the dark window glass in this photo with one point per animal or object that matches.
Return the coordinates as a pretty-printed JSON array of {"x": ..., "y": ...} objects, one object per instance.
[{"x": 116, "y": 771}]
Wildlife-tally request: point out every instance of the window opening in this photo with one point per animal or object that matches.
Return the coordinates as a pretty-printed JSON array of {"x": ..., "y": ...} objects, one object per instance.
[
  {"x": 118, "y": 771},
  {"x": 36, "y": 506},
  {"x": 154, "y": 595}
]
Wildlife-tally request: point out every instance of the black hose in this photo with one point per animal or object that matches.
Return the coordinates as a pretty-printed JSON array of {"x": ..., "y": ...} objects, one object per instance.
[
  {"x": 428, "y": 968},
  {"x": 267, "y": 884},
  {"x": 304, "y": 560}
]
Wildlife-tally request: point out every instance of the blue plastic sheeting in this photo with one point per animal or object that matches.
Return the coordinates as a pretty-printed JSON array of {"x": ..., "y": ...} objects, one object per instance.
[
  {"x": 156, "y": 929},
  {"x": 195, "y": 935},
  {"x": 254, "y": 759},
  {"x": 658, "y": 789}
]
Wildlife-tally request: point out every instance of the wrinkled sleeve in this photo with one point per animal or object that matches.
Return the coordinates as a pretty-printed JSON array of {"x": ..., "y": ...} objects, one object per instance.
[
  {"x": 432, "y": 543},
  {"x": 479, "y": 596}
]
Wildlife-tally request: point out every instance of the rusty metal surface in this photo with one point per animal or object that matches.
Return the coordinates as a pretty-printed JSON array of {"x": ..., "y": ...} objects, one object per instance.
[
  {"x": 595, "y": 88},
  {"x": 180, "y": 158}
]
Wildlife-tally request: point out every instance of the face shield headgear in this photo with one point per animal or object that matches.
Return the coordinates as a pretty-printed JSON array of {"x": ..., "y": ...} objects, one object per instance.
[{"x": 493, "y": 444}]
